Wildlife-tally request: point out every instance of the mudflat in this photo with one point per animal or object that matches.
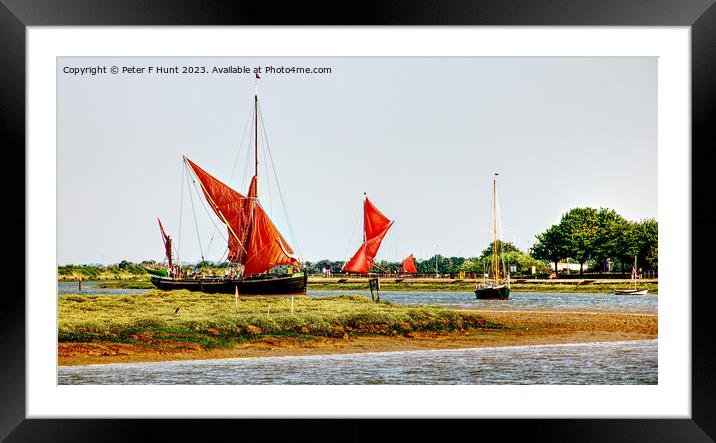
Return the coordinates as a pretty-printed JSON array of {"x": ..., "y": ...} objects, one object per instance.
[{"x": 521, "y": 328}]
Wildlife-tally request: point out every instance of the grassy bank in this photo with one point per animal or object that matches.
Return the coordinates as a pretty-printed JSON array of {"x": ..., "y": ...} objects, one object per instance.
[
  {"x": 126, "y": 284},
  {"x": 215, "y": 321}
]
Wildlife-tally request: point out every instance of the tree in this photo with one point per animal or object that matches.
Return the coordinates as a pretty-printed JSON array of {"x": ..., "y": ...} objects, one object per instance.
[
  {"x": 580, "y": 225},
  {"x": 610, "y": 236},
  {"x": 552, "y": 245},
  {"x": 504, "y": 247},
  {"x": 641, "y": 240}
]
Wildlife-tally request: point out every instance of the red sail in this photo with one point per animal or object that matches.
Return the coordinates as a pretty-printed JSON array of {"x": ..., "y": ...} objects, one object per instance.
[
  {"x": 362, "y": 260},
  {"x": 409, "y": 265},
  {"x": 374, "y": 222},
  {"x": 167, "y": 243},
  {"x": 237, "y": 252},
  {"x": 375, "y": 226},
  {"x": 266, "y": 247},
  {"x": 231, "y": 207}
]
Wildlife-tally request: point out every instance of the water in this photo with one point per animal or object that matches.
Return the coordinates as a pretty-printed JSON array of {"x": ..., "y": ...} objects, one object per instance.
[
  {"x": 518, "y": 301},
  {"x": 90, "y": 288},
  {"x": 614, "y": 363}
]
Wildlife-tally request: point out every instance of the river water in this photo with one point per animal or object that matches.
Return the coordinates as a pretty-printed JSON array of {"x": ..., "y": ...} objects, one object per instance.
[
  {"x": 615, "y": 363},
  {"x": 629, "y": 362},
  {"x": 518, "y": 301}
]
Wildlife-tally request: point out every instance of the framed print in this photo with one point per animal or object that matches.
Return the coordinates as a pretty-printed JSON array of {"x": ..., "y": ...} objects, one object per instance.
[{"x": 258, "y": 145}]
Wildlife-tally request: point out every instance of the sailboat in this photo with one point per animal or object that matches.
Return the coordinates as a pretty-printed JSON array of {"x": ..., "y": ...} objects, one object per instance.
[
  {"x": 253, "y": 240},
  {"x": 634, "y": 291},
  {"x": 408, "y": 265},
  {"x": 494, "y": 289},
  {"x": 375, "y": 227}
]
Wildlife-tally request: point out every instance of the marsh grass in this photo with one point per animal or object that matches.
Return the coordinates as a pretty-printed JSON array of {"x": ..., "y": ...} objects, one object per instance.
[
  {"x": 126, "y": 284},
  {"x": 215, "y": 320}
]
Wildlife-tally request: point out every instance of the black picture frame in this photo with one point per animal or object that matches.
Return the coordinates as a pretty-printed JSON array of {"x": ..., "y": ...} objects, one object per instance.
[{"x": 699, "y": 15}]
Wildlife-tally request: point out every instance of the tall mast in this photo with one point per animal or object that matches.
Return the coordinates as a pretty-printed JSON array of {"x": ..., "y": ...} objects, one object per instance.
[
  {"x": 256, "y": 136},
  {"x": 365, "y": 197},
  {"x": 494, "y": 230}
]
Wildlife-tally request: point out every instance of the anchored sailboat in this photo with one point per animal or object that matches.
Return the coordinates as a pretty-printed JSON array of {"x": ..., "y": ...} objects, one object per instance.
[
  {"x": 253, "y": 240},
  {"x": 494, "y": 289},
  {"x": 634, "y": 291}
]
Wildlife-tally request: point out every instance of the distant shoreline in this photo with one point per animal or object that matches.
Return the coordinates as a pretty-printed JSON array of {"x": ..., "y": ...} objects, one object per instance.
[
  {"x": 577, "y": 285},
  {"x": 522, "y": 328}
]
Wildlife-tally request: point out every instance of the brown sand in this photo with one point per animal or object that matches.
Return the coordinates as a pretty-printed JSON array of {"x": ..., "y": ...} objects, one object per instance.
[{"x": 522, "y": 328}]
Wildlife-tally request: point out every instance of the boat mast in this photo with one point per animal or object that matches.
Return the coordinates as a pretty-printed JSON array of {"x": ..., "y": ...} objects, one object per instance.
[
  {"x": 634, "y": 273},
  {"x": 256, "y": 134},
  {"x": 494, "y": 230}
]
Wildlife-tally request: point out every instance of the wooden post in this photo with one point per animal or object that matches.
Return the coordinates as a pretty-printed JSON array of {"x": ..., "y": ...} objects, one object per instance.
[
  {"x": 236, "y": 295},
  {"x": 80, "y": 282},
  {"x": 374, "y": 286}
]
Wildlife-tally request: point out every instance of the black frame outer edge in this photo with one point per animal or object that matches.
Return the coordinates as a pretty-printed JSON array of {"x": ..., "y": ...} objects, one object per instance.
[{"x": 15, "y": 15}]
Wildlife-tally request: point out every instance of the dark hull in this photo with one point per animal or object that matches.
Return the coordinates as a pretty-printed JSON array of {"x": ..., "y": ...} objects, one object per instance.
[
  {"x": 288, "y": 285},
  {"x": 492, "y": 292}
]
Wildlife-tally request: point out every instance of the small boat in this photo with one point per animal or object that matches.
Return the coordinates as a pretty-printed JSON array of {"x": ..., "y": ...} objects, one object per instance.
[
  {"x": 634, "y": 291},
  {"x": 408, "y": 266},
  {"x": 253, "y": 241},
  {"x": 495, "y": 289},
  {"x": 375, "y": 227},
  {"x": 631, "y": 291}
]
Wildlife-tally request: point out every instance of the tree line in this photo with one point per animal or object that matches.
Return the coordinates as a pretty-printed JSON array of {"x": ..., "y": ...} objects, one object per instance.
[
  {"x": 586, "y": 235},
  {"x": 600, "y": 236}
]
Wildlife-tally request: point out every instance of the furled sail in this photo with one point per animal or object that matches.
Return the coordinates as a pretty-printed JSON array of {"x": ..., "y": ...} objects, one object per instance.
[
  {"x": 254, "y": 241},
  {"x": 409, "y": 265},
  {"x": 375, "y": 227},
  {"x": 167, "y": 243}
]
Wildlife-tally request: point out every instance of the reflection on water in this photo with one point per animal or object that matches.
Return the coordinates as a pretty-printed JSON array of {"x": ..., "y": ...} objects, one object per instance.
[{"x": 616, "y": 363}]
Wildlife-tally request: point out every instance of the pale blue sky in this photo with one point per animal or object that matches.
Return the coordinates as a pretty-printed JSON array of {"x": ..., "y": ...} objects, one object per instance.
[{"x": 422, "y": 136}]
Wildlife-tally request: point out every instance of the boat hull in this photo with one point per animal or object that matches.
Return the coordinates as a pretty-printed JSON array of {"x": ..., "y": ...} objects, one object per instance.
[
  {"x": 159, "y": 272},
  {"x": 631, "y": 291},
  {"x": 285, "y": 285},
  {"x": 492, "y": 293}
]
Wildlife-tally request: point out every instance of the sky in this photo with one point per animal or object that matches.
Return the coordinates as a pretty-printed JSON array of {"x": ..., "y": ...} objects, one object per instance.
[{"x": 422, "y": 137}]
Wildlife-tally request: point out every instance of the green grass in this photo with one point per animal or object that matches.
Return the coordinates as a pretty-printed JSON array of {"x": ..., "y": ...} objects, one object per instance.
[
  {"x": 213, "y": 320},
  {"x": 126, "y": 284}
]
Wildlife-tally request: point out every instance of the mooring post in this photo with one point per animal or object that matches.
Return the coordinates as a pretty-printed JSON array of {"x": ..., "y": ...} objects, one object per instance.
[{"x": 80, "y": 282}]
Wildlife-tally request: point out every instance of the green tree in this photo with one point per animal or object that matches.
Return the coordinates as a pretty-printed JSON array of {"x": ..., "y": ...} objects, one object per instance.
[
  {"x": 610, "y": 236},
  {"x": 552, "y": 245},
  {"x": 580, "y": 225},
  {"x": 640, "y": 240}
]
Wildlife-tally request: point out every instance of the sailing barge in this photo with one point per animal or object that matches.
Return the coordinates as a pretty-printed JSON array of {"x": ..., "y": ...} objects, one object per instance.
[
  {"x": 253, "y": 241},
  {"x": 494, "y": 289}
]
